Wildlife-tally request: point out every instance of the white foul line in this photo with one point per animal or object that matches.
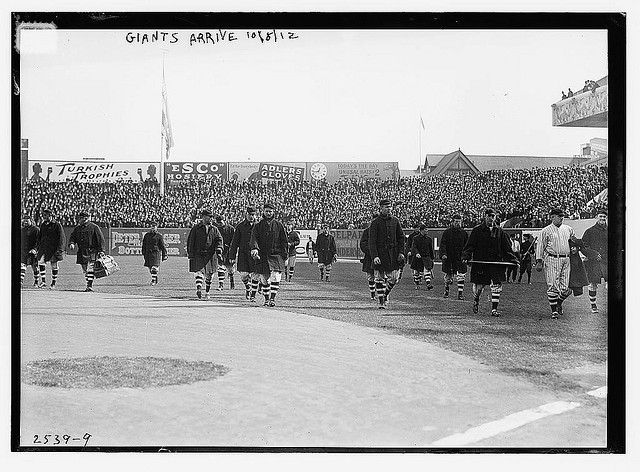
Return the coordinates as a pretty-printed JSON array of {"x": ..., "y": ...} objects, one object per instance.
[
  {"x": 507, "y": 423},
  {"x": 598, "y": 392}
]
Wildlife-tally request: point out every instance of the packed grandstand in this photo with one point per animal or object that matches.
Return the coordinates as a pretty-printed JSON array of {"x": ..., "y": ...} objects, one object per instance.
[{"x": 523, "y": 195}]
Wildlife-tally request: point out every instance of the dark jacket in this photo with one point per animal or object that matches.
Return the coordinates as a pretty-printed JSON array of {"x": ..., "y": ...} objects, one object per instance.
[
  {"x": 577, "y": 274},
  {"x": 270, "y": 239},
  {"x": 326, "y": 248},
  {"x": 488, "y": 244},
  {"x": 226, "y": 231},
  {"x": 202, "y": 247},
  {"x": 409, "y": 244},
  {"x": 367, "y": 264},
  {"x": 452, "y": 244},
  {"x": 52, "y": 241},
  {"x": 527, "y": 251},
  {"x": 28, "y": 241},
  {"x": 422, "y": 245},
  {"x": 90, "y": 241},
  {"x": 595, "y": 242},
  {"x": 153, "y": 249},
  {"x": 240, "y": 246},
  {"x": 386, "y": 241},
  {"x": 294, "y": 239}
]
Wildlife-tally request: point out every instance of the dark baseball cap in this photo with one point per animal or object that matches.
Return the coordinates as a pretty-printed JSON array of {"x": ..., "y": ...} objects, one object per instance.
[
  {"x": 269, "y": 205},
  {"x": 490, "y": 211},
  {"x": 47, "y": 211},
  {"x": 206, "y": 212},
  {"x": 83, "y": 214},
  {"x": 251, "y": 209},
  {"x": 556, "y": 211},
  {"x": 385, "y": 201}
]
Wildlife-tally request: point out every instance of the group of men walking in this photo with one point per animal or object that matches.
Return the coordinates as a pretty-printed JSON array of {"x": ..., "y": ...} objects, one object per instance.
[
  {"x": 493, "y": 256},
  {"x": 262, "y": 250}
]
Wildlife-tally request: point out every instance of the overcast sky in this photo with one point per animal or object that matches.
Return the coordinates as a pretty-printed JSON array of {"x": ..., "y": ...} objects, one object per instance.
[{"x": 326, "y": 95}]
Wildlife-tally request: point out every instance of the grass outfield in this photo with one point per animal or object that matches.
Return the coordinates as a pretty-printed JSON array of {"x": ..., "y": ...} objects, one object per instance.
[{"x": 543, "y": 351}]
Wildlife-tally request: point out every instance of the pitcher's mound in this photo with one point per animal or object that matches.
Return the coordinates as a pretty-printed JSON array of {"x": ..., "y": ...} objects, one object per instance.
[{"x": 116, "y": 372}]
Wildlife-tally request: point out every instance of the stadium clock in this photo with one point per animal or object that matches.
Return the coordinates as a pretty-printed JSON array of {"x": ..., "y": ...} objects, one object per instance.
[{"x": 318, "y": 171}]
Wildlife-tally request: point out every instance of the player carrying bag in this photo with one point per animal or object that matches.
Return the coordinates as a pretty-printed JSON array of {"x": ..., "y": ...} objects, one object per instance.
[{"x": 105, "y": 266}]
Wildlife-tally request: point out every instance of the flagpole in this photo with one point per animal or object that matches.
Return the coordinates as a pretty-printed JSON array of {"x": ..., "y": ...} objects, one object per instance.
[{"x": 162, "y": 144}]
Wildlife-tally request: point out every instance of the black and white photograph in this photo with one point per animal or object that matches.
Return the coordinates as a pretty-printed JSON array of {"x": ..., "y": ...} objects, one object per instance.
[{"x": 336, "y": 232}]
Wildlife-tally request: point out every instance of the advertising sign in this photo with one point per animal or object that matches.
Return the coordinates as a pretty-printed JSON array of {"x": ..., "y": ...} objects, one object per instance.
[
  {"x": 91, "y": 171},
  {"x": 301, "y": 250},
  {"x": 266, "y": 171},
  {"x": 180, "y": 171},
  {"x": 335, "y": 171},
  {"x": 128, "y": 241}
]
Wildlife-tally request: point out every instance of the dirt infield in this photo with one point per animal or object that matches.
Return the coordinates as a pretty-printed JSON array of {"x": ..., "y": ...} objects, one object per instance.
[{"x": 346, "y": 376}]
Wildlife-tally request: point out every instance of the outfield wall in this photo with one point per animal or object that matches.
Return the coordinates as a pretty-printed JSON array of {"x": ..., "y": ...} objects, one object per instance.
[{"x": 128, "y": 241}]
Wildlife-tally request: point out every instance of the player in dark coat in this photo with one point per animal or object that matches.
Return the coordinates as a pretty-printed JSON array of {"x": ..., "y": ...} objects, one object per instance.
[
  {"x": 269, "y": 248},
  {"x": 51, "y": 244},
  {"x": 293, "y": 238},
  {"x": 408, "y": 244},
  {"x": 387, "y": 249},
  {"x": 488, "y": 242},
  {"x": 204, "y": 249},
  {"x": 241, "y": 251},
  {"x": 527, "y": 250},
  {"x": 577, "y": 274},
  {"x": 90, "y": 241},
  {"x": 423, "y": 255},
  {"x": 596, "y": 249},
  {"x": 327, "y": 252},
  {"x": 367, "y": 263},
  {"x": 226, "y": 231},
  {"x": 29, "y": 234},
  {"x": 453, "y": 241},
  {"x": 311, "y": 249},
  {"x": 153, "y": 251}
]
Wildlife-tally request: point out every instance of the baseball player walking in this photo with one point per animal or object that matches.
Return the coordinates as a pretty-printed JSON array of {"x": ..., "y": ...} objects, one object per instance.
[{"x": 553, "y": 253}]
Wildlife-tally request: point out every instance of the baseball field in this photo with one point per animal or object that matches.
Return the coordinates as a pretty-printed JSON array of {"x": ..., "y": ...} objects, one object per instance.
[{"x": 133, "y": 365}]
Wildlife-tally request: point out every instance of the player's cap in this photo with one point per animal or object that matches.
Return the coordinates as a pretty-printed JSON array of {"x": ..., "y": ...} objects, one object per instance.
[
  {"x": 46, "y": 211},
  {"x": 153, "y": 223},
  {"x": 26, "y": 216},
  {"x": 206, "y": 212},
  {"x": 385, "y": 201},
  {"x": 556, "y": 211},
  {"x": 269, "y": 205},
  {"x": 83, "y": 214},
  {"x": 251, "y": 209},
  {"x": 513, "y": 236},
  {"x": 490, "y": 211},
  {"x": 219, "y": 218},
  {"x": 526, "y": 235},
  {"x": 422, "y": 226},
  {"x": 456, "y": 217},
  {"x": 602, "y": 212}
]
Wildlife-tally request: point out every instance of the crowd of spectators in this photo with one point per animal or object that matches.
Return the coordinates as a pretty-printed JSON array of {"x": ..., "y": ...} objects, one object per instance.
[{"x": 523, "y": 195}]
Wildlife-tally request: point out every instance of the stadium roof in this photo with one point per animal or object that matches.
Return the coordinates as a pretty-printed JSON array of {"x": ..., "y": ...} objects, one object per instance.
[{"x": 485, "y": 163}]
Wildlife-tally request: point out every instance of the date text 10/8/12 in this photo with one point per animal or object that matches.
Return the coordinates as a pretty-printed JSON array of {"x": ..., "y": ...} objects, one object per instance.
[{"x": 58, "y": 439}]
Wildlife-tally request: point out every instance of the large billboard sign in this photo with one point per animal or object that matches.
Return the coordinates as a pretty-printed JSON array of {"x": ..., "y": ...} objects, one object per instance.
[
  {"x": 335, "y": 171},
  {"x": 128, "y": 241},
  {"x": 267, "y": 171},
  {"x": 91, "y": 171},
  {"x": 179, "y": 171}
]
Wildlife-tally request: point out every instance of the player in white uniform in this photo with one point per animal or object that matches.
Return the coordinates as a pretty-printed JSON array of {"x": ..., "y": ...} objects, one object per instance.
[{"x": 552, "y": 253}]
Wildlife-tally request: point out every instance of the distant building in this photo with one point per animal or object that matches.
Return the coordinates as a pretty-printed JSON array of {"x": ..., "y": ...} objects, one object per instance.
[{"x": 458, "y": 162}]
